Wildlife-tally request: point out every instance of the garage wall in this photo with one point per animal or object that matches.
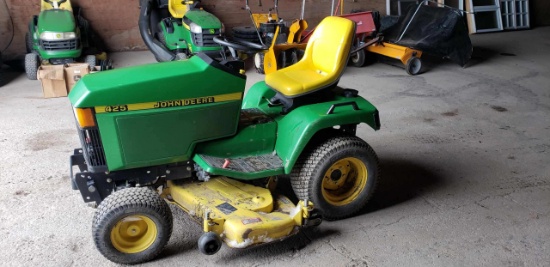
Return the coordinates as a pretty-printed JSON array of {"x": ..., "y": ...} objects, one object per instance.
[
  {"x": 116, "y": 20},
  {"x": 540, "y": 12}
]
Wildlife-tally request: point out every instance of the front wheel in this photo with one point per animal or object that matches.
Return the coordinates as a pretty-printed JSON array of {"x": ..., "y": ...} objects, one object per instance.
[
  {"x": 132, "y": 225},
  {"x": 31, "y": 65},
  {"x": 340, "y": 176}
]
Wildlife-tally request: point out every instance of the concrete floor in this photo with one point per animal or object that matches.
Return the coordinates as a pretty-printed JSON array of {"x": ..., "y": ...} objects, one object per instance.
[{"x": 465, "y": 155}]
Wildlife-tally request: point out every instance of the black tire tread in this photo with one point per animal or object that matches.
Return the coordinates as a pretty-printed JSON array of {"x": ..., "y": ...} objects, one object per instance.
[
  {"x": 306, "y": 164},
  {"x": 31, "y": 66},
  {"x": 28, "y": 42},
  {"x": 91, "y": 60},
  {"x": 361, "y": 58},
  {"x": 260, "y": 69},
  {"x": 141, "y": 198}
]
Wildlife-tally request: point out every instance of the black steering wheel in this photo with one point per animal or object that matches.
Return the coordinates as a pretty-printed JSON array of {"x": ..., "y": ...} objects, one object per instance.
[{"x": 241, "y": 45}]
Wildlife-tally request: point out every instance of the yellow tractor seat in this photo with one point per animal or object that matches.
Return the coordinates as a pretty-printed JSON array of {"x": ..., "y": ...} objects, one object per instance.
[
  {"x": 324, "y": 60},
  {"x": 47, "y": 6},
  {"x": 178, "y": 8}
]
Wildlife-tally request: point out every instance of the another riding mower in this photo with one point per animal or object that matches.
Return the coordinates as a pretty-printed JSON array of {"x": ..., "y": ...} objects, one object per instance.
[
  {"x": 281, "y": 44},
  {"x": 56, "y": 36},
  {"x": 176, "y": 29},
  {"x": 181, "y": 132}
]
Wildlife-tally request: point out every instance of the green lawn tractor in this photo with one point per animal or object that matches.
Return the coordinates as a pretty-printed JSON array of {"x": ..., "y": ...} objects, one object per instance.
[
  {"x": 184, "y": 133},
  {"x": 56, "y": 36},
  {"x": 176, "y": 29}
]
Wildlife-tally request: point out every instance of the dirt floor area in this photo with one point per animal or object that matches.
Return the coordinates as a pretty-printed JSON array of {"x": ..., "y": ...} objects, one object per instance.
[{"x": 465, "y": 156}]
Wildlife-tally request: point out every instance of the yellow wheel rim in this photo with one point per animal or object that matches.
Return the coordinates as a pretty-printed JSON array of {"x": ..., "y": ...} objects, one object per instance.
[
  {"x": 134, "y": 234},
  {"x": 344, "y": 181}
]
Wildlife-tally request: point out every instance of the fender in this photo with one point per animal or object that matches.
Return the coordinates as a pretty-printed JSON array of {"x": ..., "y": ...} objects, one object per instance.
[{"x": 296, "y": 129}]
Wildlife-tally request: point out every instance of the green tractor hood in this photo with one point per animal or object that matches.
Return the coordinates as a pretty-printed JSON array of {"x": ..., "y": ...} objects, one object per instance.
[
  {"x": 203, "y": 19},
  {"x": 56, "y": 20},
  {"x": 155, "y": 114},
  {"x": 198, "y": 76}
]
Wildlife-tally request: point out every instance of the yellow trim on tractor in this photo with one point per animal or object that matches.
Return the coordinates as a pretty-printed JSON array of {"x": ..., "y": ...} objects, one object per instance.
[{"x": 169, "y": 103}]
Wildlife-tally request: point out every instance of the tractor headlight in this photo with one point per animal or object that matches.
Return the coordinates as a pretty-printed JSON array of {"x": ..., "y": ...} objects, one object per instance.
[
  {"x": 55, "y": 36},
  {"x": 84, "y": 117},
  {"x": 195, "y": 28}
]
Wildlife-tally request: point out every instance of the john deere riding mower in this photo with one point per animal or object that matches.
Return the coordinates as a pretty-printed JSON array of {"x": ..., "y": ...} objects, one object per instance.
[
  {"x": 182, "y": 133},
  {"x": 56, "y": 36},
  {"x": 176, "y": 29}
]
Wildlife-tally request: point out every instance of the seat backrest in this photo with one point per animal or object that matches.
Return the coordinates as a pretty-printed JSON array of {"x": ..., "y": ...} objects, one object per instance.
[
  {"x": 329, "y": 46},
  {"x": 178, "y": 8},
  {"x": 323, "y": 63},
  {"x": 47, "y": 6}
]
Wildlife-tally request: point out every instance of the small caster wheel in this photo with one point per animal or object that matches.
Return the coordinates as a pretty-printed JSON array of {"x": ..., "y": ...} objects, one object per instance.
[
  {"x": 210, "y": 243},
  {"x": 414, "y": 65}
]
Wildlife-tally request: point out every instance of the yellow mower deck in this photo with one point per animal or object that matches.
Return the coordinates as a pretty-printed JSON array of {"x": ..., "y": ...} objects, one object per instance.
[{"x": 241, "y": 214}]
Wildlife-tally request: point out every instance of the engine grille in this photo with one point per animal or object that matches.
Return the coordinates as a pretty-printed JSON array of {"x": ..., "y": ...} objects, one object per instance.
[
  {"x": 92, "y": 149},
  {"x": 206, "y": 38},
  {"x": 59, "y": 45}
]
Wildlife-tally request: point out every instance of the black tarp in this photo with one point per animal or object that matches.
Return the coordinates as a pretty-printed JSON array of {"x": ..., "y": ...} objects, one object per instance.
[{"x": 439, "y": 31}]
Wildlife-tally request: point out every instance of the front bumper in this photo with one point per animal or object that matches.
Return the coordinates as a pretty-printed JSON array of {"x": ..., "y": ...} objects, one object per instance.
[{"x": 94, "y": 186}]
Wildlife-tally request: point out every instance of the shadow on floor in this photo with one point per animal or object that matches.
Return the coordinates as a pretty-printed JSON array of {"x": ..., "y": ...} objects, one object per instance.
[
  {"x": 401, "y": 181},
  {"x": 482, "y": 54},
  {"x": 7, "y": 75},
  {"x": 11, "y": 70}
]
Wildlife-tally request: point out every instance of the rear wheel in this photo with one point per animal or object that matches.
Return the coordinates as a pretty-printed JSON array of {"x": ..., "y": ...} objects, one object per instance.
[
  {"x": 414, "y": 65},
  {"x": 247, "y": 33},
  {"x": 358, "y": 59},
  {"x": 259, "y": 62},
  {"x": 28, "y": 42},
  {"x": 340, "y": 176},
  {"x": 31, "y": 65},
  {"x": 132, "y": 225}
]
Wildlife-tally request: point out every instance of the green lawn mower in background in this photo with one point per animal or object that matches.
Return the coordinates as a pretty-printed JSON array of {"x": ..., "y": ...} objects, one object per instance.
[
  {"x": 56, "y": 36},
  {"x": 176, "y": 29}
]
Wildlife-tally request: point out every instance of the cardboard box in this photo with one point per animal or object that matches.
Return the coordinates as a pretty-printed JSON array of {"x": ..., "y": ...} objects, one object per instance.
[
  {"x": 74, "y": 72},
  {"x": 52, "y": 78}
]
